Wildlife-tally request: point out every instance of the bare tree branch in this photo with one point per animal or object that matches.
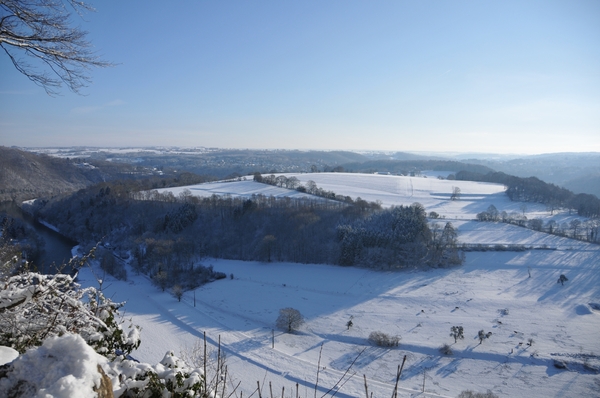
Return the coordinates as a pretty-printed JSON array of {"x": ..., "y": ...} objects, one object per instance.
[{"x": 41, "y": 30}]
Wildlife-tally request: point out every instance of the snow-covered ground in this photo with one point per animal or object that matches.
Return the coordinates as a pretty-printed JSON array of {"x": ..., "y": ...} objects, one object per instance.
[{"x": 492, "y": 291}]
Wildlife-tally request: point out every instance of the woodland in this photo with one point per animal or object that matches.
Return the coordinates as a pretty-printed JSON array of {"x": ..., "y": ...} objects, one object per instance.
[{"x": 166, "y": 235}]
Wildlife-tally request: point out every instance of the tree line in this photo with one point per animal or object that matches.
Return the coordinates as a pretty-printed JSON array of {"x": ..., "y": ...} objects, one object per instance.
[
  {"x": 311, "y": 187},
  {"x": 587, "y": 230}
]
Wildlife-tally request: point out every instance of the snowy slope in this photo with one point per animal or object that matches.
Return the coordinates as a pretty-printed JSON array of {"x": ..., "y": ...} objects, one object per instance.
[{"x": 419, "y": 306}]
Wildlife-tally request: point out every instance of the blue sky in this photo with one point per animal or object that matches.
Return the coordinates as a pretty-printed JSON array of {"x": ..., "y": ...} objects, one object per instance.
[{"x": 462, "y": 76}]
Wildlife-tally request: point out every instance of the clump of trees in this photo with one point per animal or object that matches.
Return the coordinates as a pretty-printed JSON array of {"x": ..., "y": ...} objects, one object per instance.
[
  {"x": 491, "y": 214},
  {"x": 444, "y": 248},
  {"x": 397, "y": 237}
]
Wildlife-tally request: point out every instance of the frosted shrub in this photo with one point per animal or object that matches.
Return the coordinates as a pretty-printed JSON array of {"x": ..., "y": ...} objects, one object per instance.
[
  {"x": 66, "y": 366},
  {"x": 170, "y": 378},
  {"x": 471, "y": 394},
  {"x": 384, "y": 340},
  {"x": 446, "y": 350},
  {"x": 35, "y": 306}
]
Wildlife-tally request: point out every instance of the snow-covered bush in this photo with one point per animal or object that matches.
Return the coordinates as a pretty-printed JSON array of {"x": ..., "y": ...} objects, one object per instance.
[
  {"x": 62, "y": 367},
  {"x": 172, "y": 377},
  {"x": 68, "y": 333},
  {"x": 34, "y": 307},
  {"x": 383, "y": 340},
  {"x": 67, "y": 366}
]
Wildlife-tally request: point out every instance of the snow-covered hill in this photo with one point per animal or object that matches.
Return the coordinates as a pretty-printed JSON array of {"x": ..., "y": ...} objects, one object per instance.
[{"x": 514, "y": 295}]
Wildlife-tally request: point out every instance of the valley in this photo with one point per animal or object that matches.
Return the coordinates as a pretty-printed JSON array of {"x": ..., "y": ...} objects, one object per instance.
[{"x": 493, "y": 291}]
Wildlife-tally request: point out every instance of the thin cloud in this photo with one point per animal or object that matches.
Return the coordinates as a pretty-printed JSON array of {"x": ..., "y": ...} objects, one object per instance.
[{"x": 90, "y": 109}]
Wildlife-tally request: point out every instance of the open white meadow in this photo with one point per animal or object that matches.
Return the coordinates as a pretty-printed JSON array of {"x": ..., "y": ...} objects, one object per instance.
[{"x": 492, "y": 291}]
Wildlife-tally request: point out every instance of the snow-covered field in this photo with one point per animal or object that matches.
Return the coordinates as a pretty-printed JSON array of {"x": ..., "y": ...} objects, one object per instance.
[
  {"x": 492, "y": 291},
  {"x": 431, "y": 192},
  {"x": 245, "y": 188}
]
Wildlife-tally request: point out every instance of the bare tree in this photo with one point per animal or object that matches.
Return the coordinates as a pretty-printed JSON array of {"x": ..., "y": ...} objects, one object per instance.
[
  {"x": 455, "y": 193},
  {"x": 482, "y": 335},
  {"x": 493, "y": 212},
  {"x": 41, "y": 30},
  {"x": 289, "y": 319},
  {"x": 523, "y": 207},
  {"x": 161, "y": 280},
  {"x": 177, "y": 291},
  {"x": 562, "y": 279},
  {"x": 280, "y": 181},
  {"x": 311, "y": 186},
  {"x": 457, "y": 332},
  {"x": 292, "y": 183},
  {"x": 575, "y": 224},
  {"x": 267, "y": 247}
]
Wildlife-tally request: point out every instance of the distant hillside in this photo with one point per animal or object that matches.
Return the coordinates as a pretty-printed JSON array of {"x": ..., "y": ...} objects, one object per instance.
[
  {"x": 220, "y": 163},
  {"x": 586, "y": 184},
  {"x": 26, "y": 175},
  {"x": 407, "y": 166},
  {"x": 579, "y": 172}
]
